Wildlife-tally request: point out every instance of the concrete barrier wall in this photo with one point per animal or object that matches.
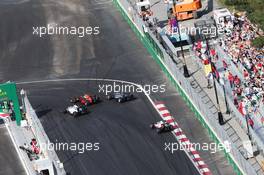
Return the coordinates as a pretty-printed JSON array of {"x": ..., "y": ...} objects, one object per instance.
[{"x": 42, "y": 139}]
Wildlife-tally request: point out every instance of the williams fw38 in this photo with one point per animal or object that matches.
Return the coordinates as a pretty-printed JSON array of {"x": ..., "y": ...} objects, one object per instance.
[{"x": 76, "y": 110}]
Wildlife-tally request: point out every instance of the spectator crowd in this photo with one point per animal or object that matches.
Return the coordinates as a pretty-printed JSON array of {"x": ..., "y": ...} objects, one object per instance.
[{"x": 247, "y": 89}]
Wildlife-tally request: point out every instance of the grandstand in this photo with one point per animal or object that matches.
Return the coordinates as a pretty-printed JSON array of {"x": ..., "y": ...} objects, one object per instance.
[{"x": 245, "y": 84}]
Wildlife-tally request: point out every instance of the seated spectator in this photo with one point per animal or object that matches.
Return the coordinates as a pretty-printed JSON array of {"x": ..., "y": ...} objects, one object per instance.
[{"x": 237, "y": 44}]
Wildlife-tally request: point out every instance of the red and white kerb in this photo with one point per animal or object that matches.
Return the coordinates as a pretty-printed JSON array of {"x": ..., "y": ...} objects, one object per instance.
[{"x": 182, "y": 139}]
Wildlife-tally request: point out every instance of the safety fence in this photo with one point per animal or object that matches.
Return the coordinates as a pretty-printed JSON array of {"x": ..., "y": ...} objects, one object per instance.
[
  {"x": 154, "y": 45},
  {"x": 208, "y": 118}
]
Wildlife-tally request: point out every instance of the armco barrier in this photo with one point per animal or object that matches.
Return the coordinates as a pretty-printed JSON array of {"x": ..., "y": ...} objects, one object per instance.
[{"x": 240, "y": 166}]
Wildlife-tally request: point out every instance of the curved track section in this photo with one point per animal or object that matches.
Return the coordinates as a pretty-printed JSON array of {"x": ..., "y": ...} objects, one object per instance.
[{"x": 128, "y": 146}]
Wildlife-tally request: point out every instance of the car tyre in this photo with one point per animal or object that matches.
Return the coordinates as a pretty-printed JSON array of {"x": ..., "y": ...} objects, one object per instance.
[
  {"x": 108, "y": 97},
  {"x": 151, "y": 126},
  {"x": 158, "y": 130},
  {"x": 75, "y": 114},
  {"x": 171, "y": 128}
]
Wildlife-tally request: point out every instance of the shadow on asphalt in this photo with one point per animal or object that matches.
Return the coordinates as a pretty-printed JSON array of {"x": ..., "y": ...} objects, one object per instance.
[{"x": 43, "y": 112}]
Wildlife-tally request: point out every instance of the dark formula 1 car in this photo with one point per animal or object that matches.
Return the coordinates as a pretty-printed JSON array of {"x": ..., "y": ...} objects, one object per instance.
[
  {"x": 121, "y": 97},
  {"x": 162, "y": 126},
  {"x": 86, "y": 99},
  {"x": 76, "y": 110}
]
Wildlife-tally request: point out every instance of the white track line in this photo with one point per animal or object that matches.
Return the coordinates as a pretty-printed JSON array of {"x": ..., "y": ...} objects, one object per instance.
[{"x": 112, "y": 80}]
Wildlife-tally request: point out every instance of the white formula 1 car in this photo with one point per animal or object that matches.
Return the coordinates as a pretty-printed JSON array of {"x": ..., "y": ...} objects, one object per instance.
[
  {"x": 162, "y": 126},
  {"x": 76, "y": 110}
]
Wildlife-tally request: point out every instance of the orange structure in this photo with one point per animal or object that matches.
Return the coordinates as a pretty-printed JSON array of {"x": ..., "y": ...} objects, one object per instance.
[{"x": 186, "y": 9}]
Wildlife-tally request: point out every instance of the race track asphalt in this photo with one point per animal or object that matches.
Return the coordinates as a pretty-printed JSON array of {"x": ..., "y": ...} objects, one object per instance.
[
  {"x": 9, "y": 160},
  {"x": 127, "y": 144}
]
